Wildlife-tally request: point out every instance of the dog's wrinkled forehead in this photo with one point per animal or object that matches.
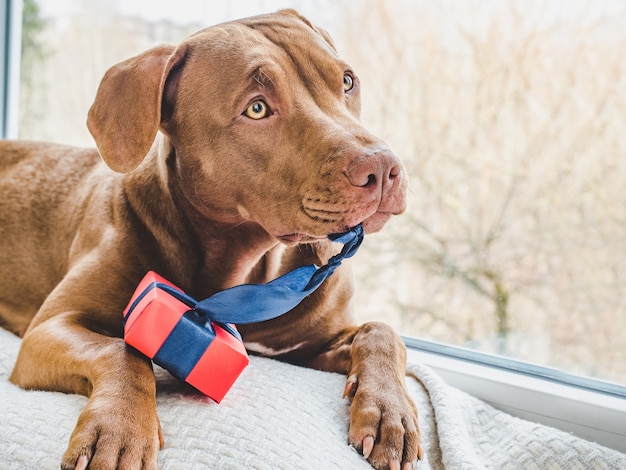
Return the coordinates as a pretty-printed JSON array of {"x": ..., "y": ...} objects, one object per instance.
[
  {"x": 283, "y": 28},
  {"x": 257, "y": 41}
]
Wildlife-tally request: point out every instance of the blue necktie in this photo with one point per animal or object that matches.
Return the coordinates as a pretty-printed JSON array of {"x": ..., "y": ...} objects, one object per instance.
[{"x": 251, "y": 303}]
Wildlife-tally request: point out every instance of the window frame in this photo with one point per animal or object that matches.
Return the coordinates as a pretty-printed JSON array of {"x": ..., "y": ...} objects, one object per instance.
[
  {"x": 10, "y": 55},
  {"x": 591, "y": 409}
]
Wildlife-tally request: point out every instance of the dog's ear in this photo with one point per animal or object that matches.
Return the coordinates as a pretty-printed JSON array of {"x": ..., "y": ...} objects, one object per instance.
[{"x": 126, "y": 114}]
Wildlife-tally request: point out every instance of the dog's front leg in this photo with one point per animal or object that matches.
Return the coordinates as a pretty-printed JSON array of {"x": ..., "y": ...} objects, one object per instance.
[
  {"x": 119, "y": 427},
  {"x": 383, "y": 417}
]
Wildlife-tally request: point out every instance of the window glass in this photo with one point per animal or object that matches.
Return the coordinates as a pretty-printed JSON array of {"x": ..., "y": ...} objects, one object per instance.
[{"x": 510, "y": 117}]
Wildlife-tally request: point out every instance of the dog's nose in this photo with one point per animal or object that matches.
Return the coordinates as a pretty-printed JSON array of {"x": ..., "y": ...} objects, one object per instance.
[{"x": 375, "y": 172}]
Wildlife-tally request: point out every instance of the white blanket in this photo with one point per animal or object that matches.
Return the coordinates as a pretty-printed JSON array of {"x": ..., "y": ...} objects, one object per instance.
[{"x": 279, "y": 416}]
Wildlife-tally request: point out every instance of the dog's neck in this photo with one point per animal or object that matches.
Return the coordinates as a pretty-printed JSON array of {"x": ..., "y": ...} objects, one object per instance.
[
  {"x": 206, "y": 253},
  {"x": 232, "y": 255}
]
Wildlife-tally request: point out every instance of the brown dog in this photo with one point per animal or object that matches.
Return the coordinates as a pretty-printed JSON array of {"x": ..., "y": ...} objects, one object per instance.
[{"x": 241, "y": 151}]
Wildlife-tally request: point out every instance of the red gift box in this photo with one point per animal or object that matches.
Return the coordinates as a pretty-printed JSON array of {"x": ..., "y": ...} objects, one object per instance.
[{"x": 160, "y": 322}]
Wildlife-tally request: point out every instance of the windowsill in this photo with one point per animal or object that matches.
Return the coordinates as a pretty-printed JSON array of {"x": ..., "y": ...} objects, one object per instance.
[{"x": 590, "y": 409}]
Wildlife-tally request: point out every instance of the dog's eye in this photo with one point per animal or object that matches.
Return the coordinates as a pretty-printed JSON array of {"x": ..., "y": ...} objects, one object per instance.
[
  {"x": 348, "y": 82},
  {"x": 257, "y": 110}
]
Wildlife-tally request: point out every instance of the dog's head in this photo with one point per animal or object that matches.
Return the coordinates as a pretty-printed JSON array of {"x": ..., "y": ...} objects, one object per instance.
[{"x": 264, "y": 119}]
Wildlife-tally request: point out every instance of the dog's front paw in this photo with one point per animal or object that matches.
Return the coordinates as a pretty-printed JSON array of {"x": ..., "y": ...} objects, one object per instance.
[
  {"x": 115, "y": 435},
  {"x": 383, "y": 423}
]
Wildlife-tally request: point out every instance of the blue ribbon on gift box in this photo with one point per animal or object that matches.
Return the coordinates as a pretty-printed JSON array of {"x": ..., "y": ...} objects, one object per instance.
[
  {"x": 189, "y": 339},
  {"x": 247, "y": 303}
]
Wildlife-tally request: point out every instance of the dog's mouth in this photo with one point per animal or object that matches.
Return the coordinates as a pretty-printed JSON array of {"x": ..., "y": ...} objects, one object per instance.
[
  {"x": 371, "y": 224},
  {"x": 317, "y": 231}
]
